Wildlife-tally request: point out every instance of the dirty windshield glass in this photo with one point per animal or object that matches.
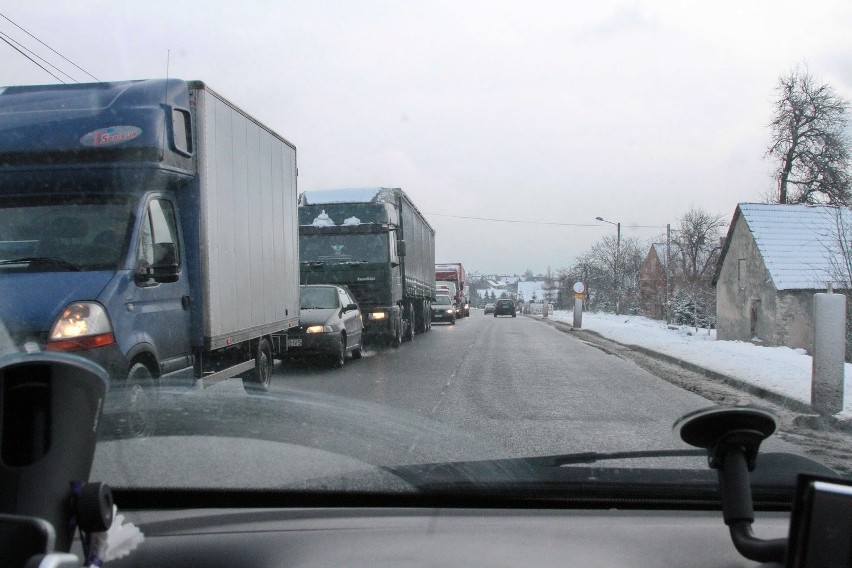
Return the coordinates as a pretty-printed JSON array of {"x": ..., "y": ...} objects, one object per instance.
[
  {"x": 649, "y": 200},
  {"x": 81, "y": 233}
]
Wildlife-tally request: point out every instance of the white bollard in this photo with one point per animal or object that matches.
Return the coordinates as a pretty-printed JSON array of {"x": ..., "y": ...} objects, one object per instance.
[{"x": 828, "y": 353}]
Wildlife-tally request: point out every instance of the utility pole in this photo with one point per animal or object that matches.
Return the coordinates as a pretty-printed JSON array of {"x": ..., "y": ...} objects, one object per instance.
[{"x": 668, "y": 276}]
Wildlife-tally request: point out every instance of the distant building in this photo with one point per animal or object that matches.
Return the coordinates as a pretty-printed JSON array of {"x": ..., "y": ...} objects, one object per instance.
[
  {"x": 775, "y": 258},
  {"x": 652, "y": 282}
]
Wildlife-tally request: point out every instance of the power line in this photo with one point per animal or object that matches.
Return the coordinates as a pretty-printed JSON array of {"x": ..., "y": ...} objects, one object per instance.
[
  {"x": 31, "y": 59},
  {"x": 544, "y": 222},
  {"x": 9, "y": 38},
  {"x": 513, "y": 220},
  {"x": 48, "y": 47}
]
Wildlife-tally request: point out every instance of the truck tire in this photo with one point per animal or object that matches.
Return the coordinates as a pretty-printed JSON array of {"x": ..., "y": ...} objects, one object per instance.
[
  {"x": 258, "y": 379},
  {"x": 409, "y": 326},
  {"x": 339, "y": 357},
  {"x": 427, "y": 314},
  {"x": 141, "y": 400},
  {"x": 396, "y": 340},
  {"x": 420, "y": 317}
]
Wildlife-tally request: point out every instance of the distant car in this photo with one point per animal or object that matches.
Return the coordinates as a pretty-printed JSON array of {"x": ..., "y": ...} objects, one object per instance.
[
  {"x": 505, "y": 308},
  {"x": 489, "y": 308},
  {"x": 443, "y": 309},
  {"x": 330, "y": 325}
]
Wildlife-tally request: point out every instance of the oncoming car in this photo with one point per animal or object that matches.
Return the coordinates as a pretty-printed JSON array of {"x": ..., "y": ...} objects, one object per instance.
[
  {"x": 330, "y": 325},
  {"x": 443, "y": 310},
  {"x": 489, "y": 308},
  {"x": 505, "y": 308}
]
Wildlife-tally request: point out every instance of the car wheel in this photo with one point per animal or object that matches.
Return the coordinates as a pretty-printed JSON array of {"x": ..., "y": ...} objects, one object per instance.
[
  {"x": 357, "y": 353},
  {"x": 339, "y": 358},
  {"x": 141, "y": 398}
]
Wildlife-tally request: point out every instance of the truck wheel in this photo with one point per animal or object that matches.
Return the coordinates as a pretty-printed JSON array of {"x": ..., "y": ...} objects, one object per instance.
[
  {"x": 409, "y": 327},
  {"x": 339, "y": 358},
  {"x": 420, "y": 317},
  {"x": 396, "y": 340},
  {"x": 427, "y": 315},
  {"x": 258, "y": 379},
  {"x": 141, "y": 399}
]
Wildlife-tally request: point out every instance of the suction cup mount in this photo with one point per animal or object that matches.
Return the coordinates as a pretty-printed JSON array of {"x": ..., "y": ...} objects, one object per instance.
[
  {"x": 718, "y": 428},
  {"x": 732, "y": 438}
]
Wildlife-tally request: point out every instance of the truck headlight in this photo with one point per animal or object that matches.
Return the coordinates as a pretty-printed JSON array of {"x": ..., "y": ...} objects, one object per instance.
[
  {"x": 377, "y": 315},
  {"x": 82, "y": 325}
]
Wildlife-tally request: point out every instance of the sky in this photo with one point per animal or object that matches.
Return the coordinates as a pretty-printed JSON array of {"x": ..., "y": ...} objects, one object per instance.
[{"x": 547, "y": 114}]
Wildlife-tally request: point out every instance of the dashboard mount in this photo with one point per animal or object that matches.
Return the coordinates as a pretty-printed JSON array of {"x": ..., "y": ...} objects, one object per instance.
[
  {"x": 732, "y": 438},
  {"x": 50, "y": 406}
]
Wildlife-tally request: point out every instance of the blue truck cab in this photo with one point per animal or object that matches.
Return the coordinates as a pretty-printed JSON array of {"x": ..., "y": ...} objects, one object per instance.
[{"x": 121, "y": 241}]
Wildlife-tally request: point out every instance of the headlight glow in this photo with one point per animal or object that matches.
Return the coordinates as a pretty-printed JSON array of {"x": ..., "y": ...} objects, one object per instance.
[
  {"x": 314, "y": 329},
  {"x": 79, "y": 320},
  {"x": 82, "y": 325},
  {"x": 377, "y": 315}
]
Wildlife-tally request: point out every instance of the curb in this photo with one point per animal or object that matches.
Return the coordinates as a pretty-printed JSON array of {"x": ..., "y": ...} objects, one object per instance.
[{"x": 808, "y": 418}]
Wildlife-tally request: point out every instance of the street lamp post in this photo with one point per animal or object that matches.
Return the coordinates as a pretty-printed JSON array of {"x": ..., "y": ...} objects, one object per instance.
[{"x": 615, "y": 267}]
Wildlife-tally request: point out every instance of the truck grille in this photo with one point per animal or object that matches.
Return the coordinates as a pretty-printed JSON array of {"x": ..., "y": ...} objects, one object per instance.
[{"x": 368, "y": 294}]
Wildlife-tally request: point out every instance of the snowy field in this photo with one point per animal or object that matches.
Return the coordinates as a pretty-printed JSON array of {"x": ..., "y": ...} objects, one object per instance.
[{"x": 779, "y": 369}]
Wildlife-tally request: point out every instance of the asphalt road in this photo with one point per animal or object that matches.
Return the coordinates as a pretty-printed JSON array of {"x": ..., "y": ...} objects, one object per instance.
[{"x": 485, "y": 388}]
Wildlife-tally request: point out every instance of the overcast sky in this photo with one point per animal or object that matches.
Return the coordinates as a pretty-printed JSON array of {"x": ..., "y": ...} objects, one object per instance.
[{"x": 556, "y": 112}]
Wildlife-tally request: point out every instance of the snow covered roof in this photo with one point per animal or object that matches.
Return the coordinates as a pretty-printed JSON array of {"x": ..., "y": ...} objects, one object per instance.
[
  {"x": 350, "y": 195},
  {"x": 798, "y": 243}
]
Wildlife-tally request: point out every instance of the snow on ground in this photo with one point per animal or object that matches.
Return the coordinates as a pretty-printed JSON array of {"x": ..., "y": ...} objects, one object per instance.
[{"x": 779, "y": 369}]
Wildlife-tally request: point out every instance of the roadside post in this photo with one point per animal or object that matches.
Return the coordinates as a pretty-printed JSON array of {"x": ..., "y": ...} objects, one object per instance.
[
  {"x": 579, "y": 292},
  {"x": 829, "y": 352}
]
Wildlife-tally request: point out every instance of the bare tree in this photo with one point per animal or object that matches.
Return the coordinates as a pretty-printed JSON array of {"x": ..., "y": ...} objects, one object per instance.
[
  {"x": 609, "y": 284},
  {"x": 809, "y": 142},
  {"x": 838, "y": 252},
  {"x": 695, "y": 253}
]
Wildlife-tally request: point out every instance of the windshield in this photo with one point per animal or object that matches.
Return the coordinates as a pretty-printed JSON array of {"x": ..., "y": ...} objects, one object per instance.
[
  {"x": 63, "y": 233},
  {"x": 318, "y": 298},
  {"x": 592, "y": 224},
  {"x": 343, "y": 248}
]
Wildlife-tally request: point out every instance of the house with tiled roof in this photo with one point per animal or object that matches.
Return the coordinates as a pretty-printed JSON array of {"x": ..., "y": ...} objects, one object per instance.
[{"x": 774, "y": 259}]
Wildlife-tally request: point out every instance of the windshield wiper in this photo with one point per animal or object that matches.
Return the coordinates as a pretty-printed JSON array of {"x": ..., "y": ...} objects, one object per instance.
[
  {"x": 594, "y": 457},
  {"x": 42, "y": 260}
]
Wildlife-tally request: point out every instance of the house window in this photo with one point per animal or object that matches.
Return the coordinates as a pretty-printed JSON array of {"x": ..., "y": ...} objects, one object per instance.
[{"x": 741, "y": 269}]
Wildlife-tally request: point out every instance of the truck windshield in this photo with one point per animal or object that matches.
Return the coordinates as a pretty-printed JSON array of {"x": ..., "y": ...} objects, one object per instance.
[
  {"x": 62, "y": 233},
  {"x": 344, "y": 248}
]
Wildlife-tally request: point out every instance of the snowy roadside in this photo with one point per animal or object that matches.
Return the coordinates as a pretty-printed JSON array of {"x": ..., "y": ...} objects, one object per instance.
[{"x": 781, "y": 370}]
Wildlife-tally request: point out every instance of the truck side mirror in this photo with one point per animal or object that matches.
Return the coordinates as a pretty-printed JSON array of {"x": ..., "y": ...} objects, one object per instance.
[
  {"x": 165, "y": 268},
  {"x": 400, "y": 248}
]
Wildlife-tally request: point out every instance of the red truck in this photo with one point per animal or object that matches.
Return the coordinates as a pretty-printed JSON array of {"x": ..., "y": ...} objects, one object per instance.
[{"x": 453, "y": 272}]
